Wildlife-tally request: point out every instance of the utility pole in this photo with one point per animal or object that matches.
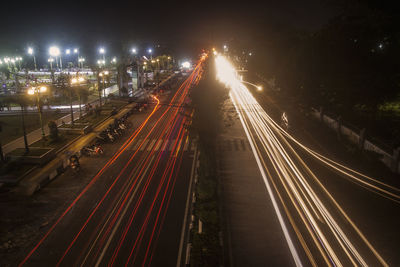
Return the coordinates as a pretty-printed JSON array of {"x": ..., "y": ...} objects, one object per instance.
[{"x": 1, "y": 149}]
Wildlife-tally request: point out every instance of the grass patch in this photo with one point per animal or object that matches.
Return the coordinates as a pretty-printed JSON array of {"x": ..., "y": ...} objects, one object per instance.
[
  {"x": 14, "y": 168},
  {"x": 12, "y": 124},
  {"x": 92, "y": 119}
]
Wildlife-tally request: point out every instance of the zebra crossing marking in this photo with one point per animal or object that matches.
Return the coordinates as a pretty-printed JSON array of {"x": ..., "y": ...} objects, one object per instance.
[
  {"x": 144, "y": 145},
  {"x": 158, "y": 144},
  {"x": 137, "y": 144},
  {"x": 151, "y": 144}
]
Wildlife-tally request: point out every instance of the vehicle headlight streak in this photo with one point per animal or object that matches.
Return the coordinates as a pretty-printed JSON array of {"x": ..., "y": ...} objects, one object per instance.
[{"x": 268, "y": 139}]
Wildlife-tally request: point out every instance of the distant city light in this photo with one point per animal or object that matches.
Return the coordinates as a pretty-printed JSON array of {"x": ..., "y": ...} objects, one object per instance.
[
  {"x": 150, "y": 50},
  {"x": 68, "y": 51},
  {"x": 30, "y": 50},
  {"x": 134, "y": 50},
  {"x": 75, "y": 50},
  {"x": 102, "y": 50}
]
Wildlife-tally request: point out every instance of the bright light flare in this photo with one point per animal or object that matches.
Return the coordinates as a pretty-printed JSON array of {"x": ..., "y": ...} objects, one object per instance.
[
  {"x": 54, "y": 51},
  {"x": 186, "y": 64}
]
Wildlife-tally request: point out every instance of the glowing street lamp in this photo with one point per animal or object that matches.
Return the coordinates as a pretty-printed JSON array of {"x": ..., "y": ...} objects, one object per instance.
[
  {"x": 150, "y": 51},
  {"x": 102, "y": 51},
  {"x": 103, "y": 75},
  {"x": 134, "y": 51},
  {"x": 51, "y": 60},
  {"x": 54, "y": 51},
  {"x": 114, "y": 60},
  {"x": 77, "y": 81},
  {"x": 76, "y": 51},
  {"x": 68, "y": 51},
  {"x": 37, "y": 90},
  {"x": 30, "y": 52},
  {"x": 80, "y": 61}
]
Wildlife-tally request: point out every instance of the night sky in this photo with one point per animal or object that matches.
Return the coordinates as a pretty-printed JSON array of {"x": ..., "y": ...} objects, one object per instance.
[{"x": 182, "y": 27}]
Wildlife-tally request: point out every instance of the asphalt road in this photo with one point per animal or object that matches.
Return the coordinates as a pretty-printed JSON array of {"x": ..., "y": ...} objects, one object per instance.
[
  {"x": 328, "y": 214},
  {"x": 131, "y": 211}
]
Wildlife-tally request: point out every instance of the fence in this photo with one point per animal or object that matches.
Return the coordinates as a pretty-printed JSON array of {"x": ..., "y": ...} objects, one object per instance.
[{"x": 389, "y": 157}]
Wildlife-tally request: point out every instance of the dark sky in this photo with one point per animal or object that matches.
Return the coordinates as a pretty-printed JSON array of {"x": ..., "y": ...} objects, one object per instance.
[{"x": 181, "y": 26}]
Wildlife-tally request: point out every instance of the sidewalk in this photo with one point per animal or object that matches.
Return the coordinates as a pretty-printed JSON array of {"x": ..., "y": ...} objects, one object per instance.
[
  {"x": 36, "y": 135},
  {"x": 43, "y": 175}
]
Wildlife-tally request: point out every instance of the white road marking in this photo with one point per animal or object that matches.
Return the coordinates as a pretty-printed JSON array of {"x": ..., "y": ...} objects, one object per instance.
[
  {"x": 144, "y": 145},
  {"x": 151, "y": 145}
]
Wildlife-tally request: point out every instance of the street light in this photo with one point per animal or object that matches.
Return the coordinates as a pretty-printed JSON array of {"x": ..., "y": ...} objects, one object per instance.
[
  {"x": 134, "y": 51},
  {"x": 114, "y": 60},
  {"x": 68, "y": 51},
  {"x": 78, "y": 81},
  {"x": 101, "y": 62},
  {"x": 51, "y": 60},
  {"x": 103, "y": 74},
  {"x": 102, "y": 51},
  {"x": 37, "y": 90},
  {"x": 30, "y": 52},
  {"x": 80, "y": 61},
  {"x": 54, "y": 51},
  {"x": 76, "y": 51},
  {"x": 169, "y": 58},
  {"x": 150, "y": 52}
]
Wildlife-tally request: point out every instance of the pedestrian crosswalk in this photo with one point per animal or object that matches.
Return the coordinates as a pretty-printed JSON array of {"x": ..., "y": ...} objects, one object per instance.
[
  {"x": 234, "y": 144},
  {"x": 163, "y": 144}
]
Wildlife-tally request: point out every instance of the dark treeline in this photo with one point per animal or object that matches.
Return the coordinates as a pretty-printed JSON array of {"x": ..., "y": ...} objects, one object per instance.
[{"x": 352, "y": 63}]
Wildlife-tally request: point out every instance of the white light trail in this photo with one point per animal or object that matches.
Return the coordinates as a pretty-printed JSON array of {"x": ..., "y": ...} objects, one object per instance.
[{"x": 336, "y": 244}]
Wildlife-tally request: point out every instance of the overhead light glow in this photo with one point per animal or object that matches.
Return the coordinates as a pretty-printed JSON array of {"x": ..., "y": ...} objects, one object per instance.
[
  {"x": 54, "y": 51},
  {"x": 186, "y": 64}
]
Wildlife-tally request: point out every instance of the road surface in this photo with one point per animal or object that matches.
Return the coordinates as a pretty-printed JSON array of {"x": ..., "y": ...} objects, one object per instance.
[
  {"x": 328, "y": 214},
  {"x": 132, "y": 210}
]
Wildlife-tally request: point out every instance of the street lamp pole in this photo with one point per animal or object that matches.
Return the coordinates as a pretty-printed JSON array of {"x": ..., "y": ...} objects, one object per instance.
[
  {"x": 36, "y": 91},
  {"x": 70, "y": 102},
  {"x": 24, "y": 128},
  {"x": 78, "y": 81}
]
